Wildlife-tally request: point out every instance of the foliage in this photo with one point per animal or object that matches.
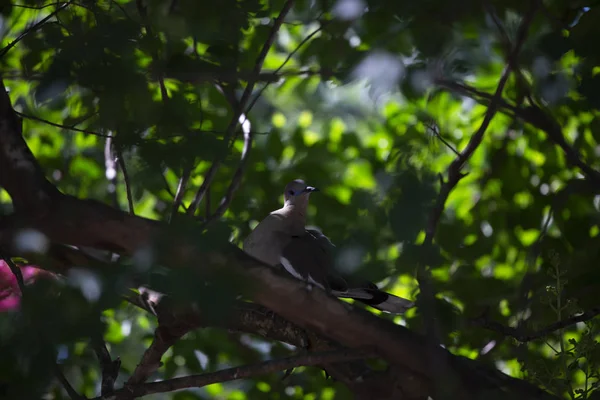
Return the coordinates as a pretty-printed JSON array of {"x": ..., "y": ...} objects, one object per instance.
[{"x": 367, "y": 100}]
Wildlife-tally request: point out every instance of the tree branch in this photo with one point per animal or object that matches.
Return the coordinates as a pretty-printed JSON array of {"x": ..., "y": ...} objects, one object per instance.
[
  {"x": 66, "y": 384},
  {"x": 20, "y": 174},
  {"x": 183, "y": 182},
  {"x": 534, "y": 116},
  {"x": 164, "y": 338},
  {"x": 16, "y": 271},
  {"x": 126, "y": 181},
  {"x": 237, "y": 176},
  {"x": 287, "y": 59},
  {"x": 70, "y": 128},
  {"x": 258, "y": 320},
  {"x": 521, "y": 336},
  {"x": 32, "y": 28},
  {"x": 230, "y": 374},
  {"x": 109, "y": 367}
]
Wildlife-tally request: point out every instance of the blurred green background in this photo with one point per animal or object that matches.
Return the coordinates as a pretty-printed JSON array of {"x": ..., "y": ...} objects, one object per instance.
[{"x": 365, "y": 100}]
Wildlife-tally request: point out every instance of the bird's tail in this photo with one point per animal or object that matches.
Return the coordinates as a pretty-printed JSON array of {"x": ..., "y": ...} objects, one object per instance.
[{"x": 376, "y": 298}]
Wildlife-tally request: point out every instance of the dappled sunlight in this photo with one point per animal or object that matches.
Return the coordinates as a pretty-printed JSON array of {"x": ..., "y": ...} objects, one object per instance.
[{"x": 455, "y": 146}]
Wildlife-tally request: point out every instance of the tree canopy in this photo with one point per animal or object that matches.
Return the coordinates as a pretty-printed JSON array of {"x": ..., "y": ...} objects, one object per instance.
[{"x": 457, "y": 152}]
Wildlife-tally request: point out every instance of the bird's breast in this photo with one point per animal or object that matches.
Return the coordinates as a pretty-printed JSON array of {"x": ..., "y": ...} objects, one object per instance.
[{"x": 268, "y": 249}]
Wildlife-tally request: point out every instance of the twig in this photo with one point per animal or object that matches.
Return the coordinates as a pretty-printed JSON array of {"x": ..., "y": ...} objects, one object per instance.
[
  {"x": 247, "y": 371},
  {"x": 109, "y": 367},
  {"x": 33, "y": 28},
  {"x": 110, "y": 166},
  {"x": 169, "y": 191},
  {"x": 288, "y": 58},
  {"x": 229, "y": 94},
  {"x": 229, "y": 132},
  {"x": 207, "y": 206},
  {"x": 125, "y": 178},
  {"x": 506, "y": 43},
  {"x": 302, "y": 43},
  {"x": 237, "y": 177},
  {"x": 65, "y": 383},
  {"x": 70, "y": 128},
  {"x": 142, "y": 10},
  {"x": 561, "y": 340},
  {"x": 217, "y": 75},
  {"x": 546, "y": 122},
  {"x": 519, "y": 335},
  {"x": 183, "y": 182},
  {"x": 185, "y": 176},
  {"x": 436, "y": 132},
  {"x": 33, "y": 7},
  {"x": 16, "y": 272}
]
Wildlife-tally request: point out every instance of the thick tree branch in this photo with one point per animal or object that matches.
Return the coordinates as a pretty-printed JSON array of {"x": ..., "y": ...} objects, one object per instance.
[{"x": 20, "y": 174}]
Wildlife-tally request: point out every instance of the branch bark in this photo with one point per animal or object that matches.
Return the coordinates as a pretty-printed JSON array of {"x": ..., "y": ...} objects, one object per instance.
[{"x": 258, "y": 320}]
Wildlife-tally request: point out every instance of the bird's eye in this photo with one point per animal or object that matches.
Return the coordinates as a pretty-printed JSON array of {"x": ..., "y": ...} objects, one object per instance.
[{"x": 291, "y": 192}]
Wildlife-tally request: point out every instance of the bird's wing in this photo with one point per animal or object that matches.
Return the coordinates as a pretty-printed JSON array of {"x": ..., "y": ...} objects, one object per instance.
[
  {"x": 364, "y": 291},
  {"x": 308, "y": 257}
]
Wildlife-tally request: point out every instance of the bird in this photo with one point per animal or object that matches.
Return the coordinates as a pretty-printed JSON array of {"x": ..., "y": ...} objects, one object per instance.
[{"x": 282, "y": 239}]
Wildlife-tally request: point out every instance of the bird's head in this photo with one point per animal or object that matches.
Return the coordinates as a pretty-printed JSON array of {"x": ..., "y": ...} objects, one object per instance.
[{"x": 297, "y": 192}]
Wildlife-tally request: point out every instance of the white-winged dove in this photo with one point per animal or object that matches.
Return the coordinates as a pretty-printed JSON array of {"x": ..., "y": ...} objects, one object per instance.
[{"x": 282, "y": 238}]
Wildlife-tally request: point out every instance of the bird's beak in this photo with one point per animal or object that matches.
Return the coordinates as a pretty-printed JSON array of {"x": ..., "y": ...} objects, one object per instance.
[{"x": 310, "y": 189}]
